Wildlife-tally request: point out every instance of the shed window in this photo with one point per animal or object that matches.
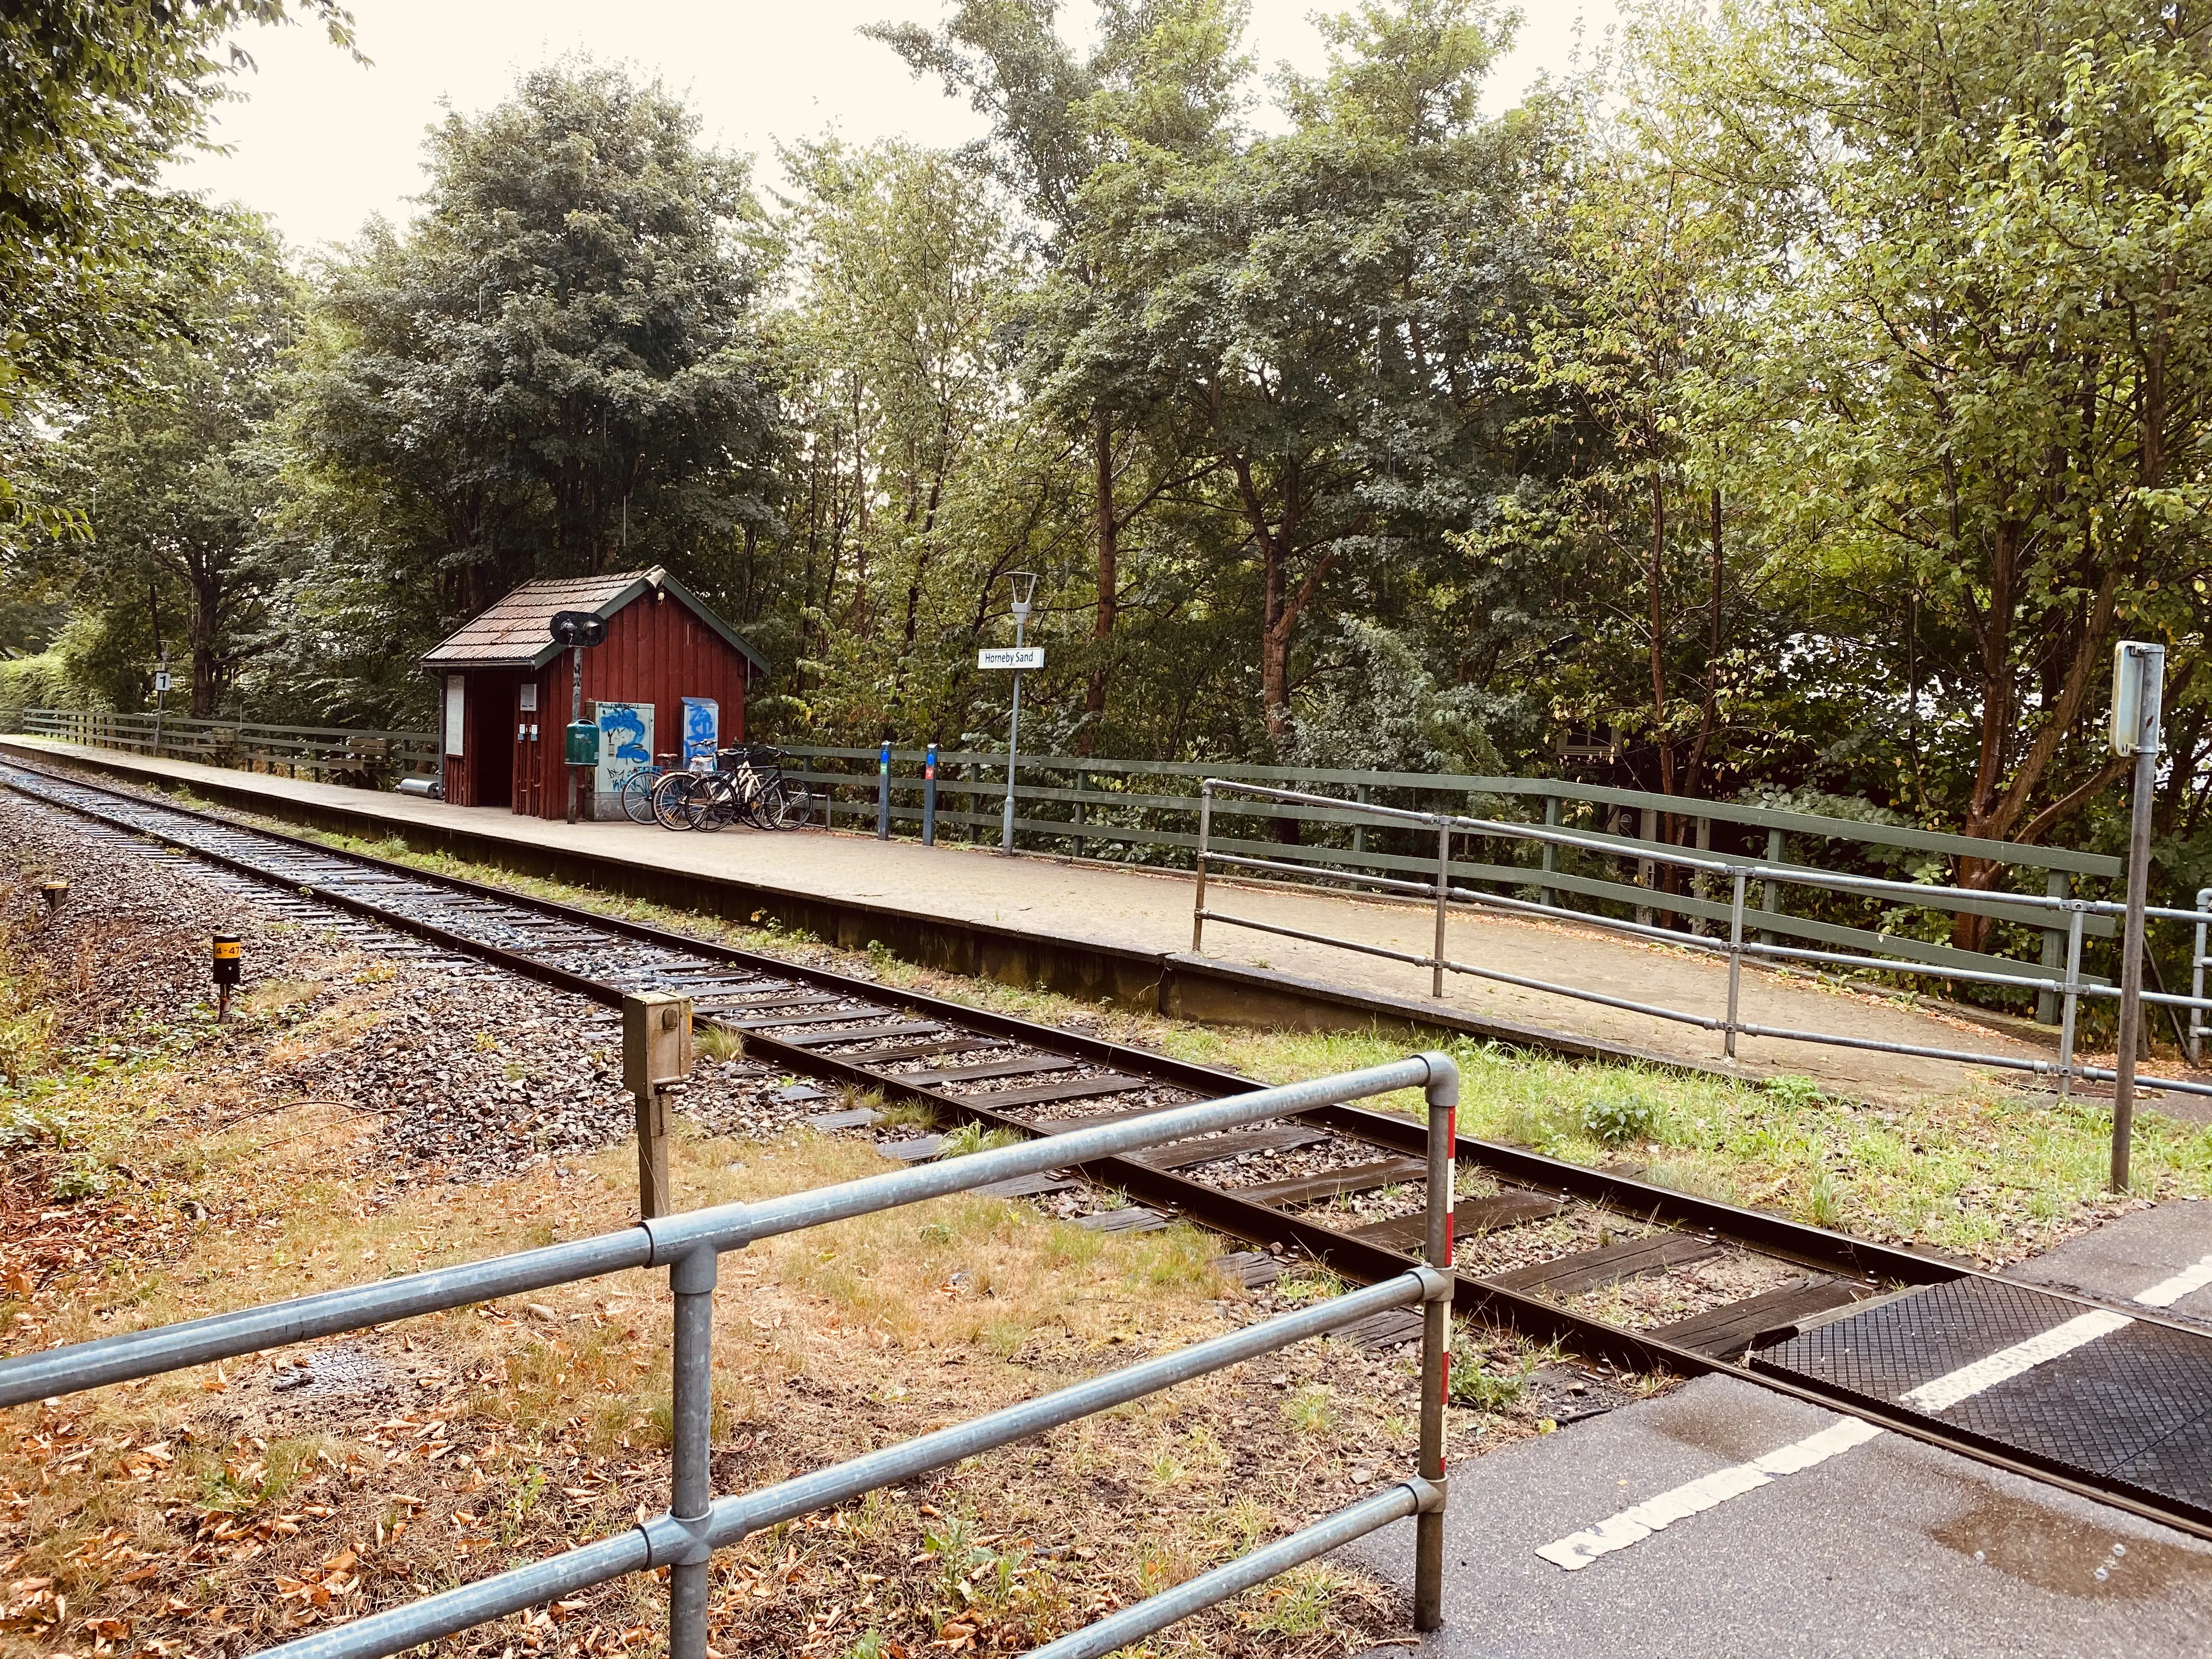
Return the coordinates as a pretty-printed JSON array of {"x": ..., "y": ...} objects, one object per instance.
[{"x": 456, "y": 705}]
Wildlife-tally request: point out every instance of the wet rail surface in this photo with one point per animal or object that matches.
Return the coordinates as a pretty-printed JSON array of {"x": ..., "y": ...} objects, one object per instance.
[{"x": 1617, "y": 1270}]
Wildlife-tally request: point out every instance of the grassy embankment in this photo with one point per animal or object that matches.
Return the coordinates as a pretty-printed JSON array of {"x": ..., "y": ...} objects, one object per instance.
[{"x": 152, "y": 1179}]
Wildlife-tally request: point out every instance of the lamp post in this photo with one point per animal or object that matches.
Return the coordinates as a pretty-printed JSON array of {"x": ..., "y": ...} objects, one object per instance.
[
  {"x": 161, "y": 697},
  {"x": 1024, "y": 589}
]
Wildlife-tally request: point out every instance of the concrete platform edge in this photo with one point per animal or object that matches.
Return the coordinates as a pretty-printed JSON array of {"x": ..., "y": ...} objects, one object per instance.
[{"x": 1177, "y": 984}]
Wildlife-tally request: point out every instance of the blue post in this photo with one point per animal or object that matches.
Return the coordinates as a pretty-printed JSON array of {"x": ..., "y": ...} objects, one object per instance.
[
  {"x": 929, "y": 797},
  {"x": 884, "y": 793}
]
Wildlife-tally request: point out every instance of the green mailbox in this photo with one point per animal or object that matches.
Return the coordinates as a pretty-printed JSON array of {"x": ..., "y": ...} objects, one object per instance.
[{"x": 583, "y": 744}]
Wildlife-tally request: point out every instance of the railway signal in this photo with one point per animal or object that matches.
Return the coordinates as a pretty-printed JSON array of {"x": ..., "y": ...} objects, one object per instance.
[{"x": 2138, "y": 689}]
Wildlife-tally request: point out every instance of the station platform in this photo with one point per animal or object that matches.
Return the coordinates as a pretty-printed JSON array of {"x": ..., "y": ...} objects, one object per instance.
[{"x": 1097, "y": 931}]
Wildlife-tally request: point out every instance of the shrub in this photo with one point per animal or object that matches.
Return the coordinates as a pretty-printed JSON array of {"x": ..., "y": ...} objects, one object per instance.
[
  {"x": 1793, "y": 1091},
  {"x": 1616, "y": 1120}
]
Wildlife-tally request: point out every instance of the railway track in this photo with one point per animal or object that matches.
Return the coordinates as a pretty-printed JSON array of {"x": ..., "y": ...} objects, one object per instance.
[{"x": 1615, "y": 1270}]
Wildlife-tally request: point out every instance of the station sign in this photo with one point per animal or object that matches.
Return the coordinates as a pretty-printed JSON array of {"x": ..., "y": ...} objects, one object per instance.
[
  {"x": 1024, "y": 656},
  {"x": 161, "y": 681}
]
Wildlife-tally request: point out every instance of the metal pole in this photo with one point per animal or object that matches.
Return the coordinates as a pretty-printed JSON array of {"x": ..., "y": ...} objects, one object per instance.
[
  {"x": 2056, "y": 884},
  {"x": 161, "y": 697},
  {"x": 2069, "y": 1003},
  {"x": 1013, "y": 739},
  {"x": 2196, "y": 984},
  {"x": 929, "y": 797},
  {"x": 1443, "y": 1094},
  {"x": 2150, "y": 664},
  {"x": 575, "y": 716},
  {"x": 1121, "y": 1631},
  {"x": 883, "y": 791},
  {"x": 1735, "y": 959},
  {"x": 1444, "y": 896},
  {"x": 1198, "y": 893},
  {"x": 691, "y": 1494}
]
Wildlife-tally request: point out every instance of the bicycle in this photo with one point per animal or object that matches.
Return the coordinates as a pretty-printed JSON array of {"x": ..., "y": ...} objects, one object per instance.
[
  {"x": 636, "y": 794},
  {"x": 746, "y": 784},
  {"x": 671, "y": 799},
  {"x": 782, "y": 805}
]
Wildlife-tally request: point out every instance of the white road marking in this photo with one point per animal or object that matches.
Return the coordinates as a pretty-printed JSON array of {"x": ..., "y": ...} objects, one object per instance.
[
  {"x": 1944, "y": 1392},
  {"x": 1633, "y": 1525},
  {"x": 2167, "y": 1291},
  {"x": 1637, "y": 1523}
]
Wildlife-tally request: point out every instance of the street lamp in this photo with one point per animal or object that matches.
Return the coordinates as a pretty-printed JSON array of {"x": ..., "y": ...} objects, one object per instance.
[{"x": 1023, "y": 583}]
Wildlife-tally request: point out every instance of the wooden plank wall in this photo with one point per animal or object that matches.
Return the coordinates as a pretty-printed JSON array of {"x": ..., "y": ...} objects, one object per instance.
[{"x": 656, "y": 651}]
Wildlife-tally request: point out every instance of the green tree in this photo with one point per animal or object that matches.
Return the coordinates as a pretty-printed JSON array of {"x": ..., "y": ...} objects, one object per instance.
[
  {"x": 1998, "y": 322},
  {"x": 557, "y": 364},
  {"x": 95, "y": 96},
  {"x": 169, "y": 473}
]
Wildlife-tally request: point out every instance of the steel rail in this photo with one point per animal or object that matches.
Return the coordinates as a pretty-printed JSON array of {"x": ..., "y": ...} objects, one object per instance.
[
  {"x": 1356, "y": 1258},
  {"x": 1812, "y": 1245}
]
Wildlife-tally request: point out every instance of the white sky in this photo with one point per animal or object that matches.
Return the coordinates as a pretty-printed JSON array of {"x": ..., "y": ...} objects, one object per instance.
[{"x": 320, "y": 143}]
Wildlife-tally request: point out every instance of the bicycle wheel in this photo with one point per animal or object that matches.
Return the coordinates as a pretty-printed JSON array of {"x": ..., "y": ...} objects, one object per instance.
[
  {"x": 790, "y": 806},
  {"x": 671, "y": 798},
  {"x": 711, "y": 804},
  {"x": 637, "y": 795},
  {"x": 749, "y": 797}
]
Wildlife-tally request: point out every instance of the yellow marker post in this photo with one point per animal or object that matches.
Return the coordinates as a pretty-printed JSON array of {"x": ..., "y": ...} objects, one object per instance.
[{"x": 228, "y": 962}]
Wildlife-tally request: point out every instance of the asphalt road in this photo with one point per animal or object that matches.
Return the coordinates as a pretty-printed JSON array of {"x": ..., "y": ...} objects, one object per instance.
[
  {"x": 1880, "y": 1549},
  {"x": 1889, "y": 1549}
]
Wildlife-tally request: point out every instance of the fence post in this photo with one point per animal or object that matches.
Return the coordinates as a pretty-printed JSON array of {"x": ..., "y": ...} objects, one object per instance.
[
  {"x": 1443, "y": 1095},
  {"x": 1198, "y": 894},
  {"x": 2071, "y": 1002},
  {"x": 1082, "y": 782},
  {"x": 2056, "y": 884},
  {"x": 1443, "y": 896},
  {"x": 656, "y": 1053},
  {"x": 1647, "y": 869},
  {"x": 1359, "y": 830},
  {"x": 1736, "y": 958},
  {"x": 883, "y": 791},
  {"x": 690, "y": 1496},
  {"x": 1548, "y": 893},
  {"x": 929, "y": 797},
  {"x": 1770, "y": 891},
  {"x": 2196, "y": 983}
]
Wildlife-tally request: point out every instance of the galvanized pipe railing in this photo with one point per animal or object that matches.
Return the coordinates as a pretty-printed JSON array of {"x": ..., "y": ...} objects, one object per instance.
[
  {"x": 696, "y": 1523},
  {"x": 2069, "y": 988}
]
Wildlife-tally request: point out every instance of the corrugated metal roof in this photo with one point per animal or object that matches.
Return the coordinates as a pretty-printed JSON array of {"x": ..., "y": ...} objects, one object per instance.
[{"x": 517, "y": 632}]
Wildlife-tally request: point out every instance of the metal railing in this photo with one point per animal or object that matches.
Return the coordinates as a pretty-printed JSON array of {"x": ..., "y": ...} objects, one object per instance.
[
  {"x": 689, "y": 1245},
  {"x": 2069, "y": 987},
  {"x": 1133, "y": 810}
]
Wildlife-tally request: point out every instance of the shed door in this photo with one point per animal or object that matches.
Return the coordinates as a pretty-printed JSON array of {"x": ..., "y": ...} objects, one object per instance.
[{"x": 529, "y": 751}]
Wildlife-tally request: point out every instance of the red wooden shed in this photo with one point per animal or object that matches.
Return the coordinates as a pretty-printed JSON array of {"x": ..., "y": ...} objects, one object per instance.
[{"x": 668, "y": 663}]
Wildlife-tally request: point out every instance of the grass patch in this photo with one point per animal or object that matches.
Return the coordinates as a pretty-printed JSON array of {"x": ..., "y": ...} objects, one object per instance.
[
  {"x": 974, "y": 1138},
  {"x": 1990, "y": 1173}
]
